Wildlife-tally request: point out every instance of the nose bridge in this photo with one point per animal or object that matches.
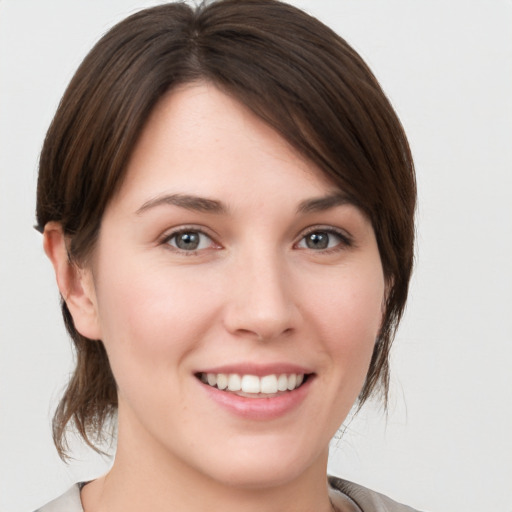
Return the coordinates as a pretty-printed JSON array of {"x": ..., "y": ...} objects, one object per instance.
[{"x": 260, "y": 301}]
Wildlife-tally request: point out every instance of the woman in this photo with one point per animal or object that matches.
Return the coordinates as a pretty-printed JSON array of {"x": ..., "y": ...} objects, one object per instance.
[{"x": 227, "y": 198}]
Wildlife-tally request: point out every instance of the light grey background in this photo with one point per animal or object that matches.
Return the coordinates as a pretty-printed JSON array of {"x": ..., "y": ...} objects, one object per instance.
[{"x": 447, "y": 67}]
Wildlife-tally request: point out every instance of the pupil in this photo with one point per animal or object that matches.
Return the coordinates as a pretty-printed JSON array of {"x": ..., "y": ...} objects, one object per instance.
[
  {"x": 317, "y": 241},
  {"x": 187, "y": 241}
]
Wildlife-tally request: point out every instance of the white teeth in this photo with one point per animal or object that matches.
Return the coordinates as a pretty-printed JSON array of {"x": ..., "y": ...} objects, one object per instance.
[
  {"x": 222, "y": 381},
  {"x": 234, "y": 382},
  {"x": 292, "y": 380},
  {"x": 268, "y": 384},
  {"x": 252, "y": 384},
  {"x": 282, "y": 383}
]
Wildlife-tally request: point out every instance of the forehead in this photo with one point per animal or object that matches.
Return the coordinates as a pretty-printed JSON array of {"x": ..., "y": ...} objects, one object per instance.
[{"x": 199, "y": 140}]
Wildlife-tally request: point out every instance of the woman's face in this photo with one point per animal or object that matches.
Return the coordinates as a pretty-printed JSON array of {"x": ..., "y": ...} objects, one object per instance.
[{"x": 228, "y": 260}]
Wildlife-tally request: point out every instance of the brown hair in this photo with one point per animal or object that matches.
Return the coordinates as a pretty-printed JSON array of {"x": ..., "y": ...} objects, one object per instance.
[{"x": 294, "y": 73}]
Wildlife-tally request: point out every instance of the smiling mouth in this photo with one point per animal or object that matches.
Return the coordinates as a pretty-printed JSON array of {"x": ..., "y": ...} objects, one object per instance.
[{"x": 252, "y": 386}]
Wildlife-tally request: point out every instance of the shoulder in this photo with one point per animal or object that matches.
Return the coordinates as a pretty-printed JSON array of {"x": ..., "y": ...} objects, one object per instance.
[
  {"x": 68, "y": 502},
  {"x": 366, "y": 499}
]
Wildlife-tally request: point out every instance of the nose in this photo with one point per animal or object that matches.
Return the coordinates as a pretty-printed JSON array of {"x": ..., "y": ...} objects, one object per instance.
[{"x": 260, "y": 301}]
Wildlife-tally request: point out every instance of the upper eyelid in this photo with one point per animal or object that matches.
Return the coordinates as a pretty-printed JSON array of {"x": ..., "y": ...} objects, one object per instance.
[
  {"x": 327, "y": 228},
  {"x": 170, "y": 232}
]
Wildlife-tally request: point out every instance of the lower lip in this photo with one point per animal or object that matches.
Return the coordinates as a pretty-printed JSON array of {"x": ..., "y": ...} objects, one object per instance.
[{"x": 259, "y": 408}]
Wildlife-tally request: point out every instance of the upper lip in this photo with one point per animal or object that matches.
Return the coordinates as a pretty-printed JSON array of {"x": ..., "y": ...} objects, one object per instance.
[{"x": 259, "y": 370}]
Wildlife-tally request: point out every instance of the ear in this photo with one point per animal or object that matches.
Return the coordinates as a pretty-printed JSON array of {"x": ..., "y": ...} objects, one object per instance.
[{"x": 75, "y": 283}]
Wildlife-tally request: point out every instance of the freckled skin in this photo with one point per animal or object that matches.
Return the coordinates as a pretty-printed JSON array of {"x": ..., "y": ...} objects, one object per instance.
[{"x": 253, "y": 290}]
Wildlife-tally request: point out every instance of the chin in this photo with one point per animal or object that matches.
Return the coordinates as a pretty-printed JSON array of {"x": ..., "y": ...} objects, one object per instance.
[
  {"x": 264, "y": 468},
  {"x": 265, "y": 476}
]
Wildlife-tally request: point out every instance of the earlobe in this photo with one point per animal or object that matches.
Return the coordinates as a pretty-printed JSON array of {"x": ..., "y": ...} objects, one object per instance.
[{"x": 75, "y": 283}]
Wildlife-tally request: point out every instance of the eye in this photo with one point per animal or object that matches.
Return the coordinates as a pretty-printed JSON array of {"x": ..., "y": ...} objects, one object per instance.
[
  {"x": 323, "y": 239},
  {"x": 189, "y": 240}
]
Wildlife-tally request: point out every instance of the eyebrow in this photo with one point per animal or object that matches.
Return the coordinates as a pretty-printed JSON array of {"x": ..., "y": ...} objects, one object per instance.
[
  {"x": 203, "y": 204},
  {"x": 189, "y": 202},
  {"x": 320, "y": 204}
]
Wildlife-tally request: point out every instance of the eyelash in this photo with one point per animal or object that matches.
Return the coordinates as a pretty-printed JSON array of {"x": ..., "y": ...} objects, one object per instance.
[
  {"x": 186, "y": 229},
  {"x": 345, "y": 241}
]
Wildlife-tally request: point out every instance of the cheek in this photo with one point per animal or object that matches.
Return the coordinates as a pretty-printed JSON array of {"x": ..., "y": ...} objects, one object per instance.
[
  {"x": 351, "y": 307},
  {"x": 347, "y": 317},
  {"x": 153, "y": 320}
]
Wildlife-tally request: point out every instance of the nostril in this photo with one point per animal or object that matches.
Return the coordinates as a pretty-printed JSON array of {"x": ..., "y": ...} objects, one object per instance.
[{"x": 269, "y": 335}]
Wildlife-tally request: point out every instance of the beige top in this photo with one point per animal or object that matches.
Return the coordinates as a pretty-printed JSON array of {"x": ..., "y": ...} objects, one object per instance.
[{"x": 345, "y": 496}]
